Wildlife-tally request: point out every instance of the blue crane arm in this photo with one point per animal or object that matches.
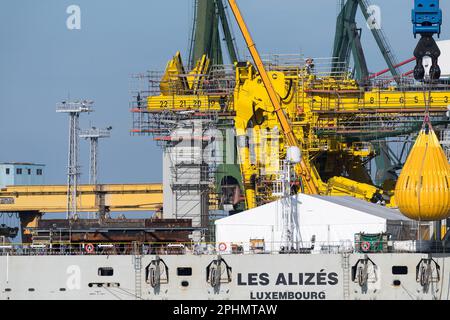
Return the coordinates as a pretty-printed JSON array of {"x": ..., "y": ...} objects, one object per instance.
[{"x": 426, "y": 17}]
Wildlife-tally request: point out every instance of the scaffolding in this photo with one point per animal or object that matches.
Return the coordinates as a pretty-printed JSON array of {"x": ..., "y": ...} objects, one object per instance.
[
  {"x": 159, "y": 117},
  {"x": 190, "y": 173},
  {"x": 340, "y": 107},
  {"x": 175, "y": 116},
  {"x": 334, "y": 118},
  {"x": 303, "y": 67}
]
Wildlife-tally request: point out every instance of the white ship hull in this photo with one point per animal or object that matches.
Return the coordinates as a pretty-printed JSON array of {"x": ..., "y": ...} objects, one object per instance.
[{"x": 247, "y": 277}]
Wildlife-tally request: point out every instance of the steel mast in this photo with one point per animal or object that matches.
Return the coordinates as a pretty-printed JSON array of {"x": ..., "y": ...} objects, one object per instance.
[
  {"x": 93, "y": 134},
  {"x": 74, "y": 109}
]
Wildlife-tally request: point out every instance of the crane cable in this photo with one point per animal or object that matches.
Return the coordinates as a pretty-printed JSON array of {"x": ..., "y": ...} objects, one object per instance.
[
  {"x": 427, "y": 102},
  {"x": 426, "y": 122}
]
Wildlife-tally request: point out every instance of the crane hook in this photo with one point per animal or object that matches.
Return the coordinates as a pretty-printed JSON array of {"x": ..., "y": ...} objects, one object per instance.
[{"x": 427, "y": 47}]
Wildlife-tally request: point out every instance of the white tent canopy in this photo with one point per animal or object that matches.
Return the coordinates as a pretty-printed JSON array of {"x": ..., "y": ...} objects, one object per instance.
[{"x": 333, "y": 221}]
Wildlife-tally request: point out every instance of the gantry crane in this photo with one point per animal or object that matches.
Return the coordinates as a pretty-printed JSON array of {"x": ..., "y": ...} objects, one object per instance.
[
  {"x": 332, "y": 119},
  {"x": 32, "y": 202},
  {"x": 205, "y": 36},
  {"x": 348, "y": 40}
]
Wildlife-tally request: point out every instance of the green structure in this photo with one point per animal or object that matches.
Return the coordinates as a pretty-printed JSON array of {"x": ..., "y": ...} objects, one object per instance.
[
  {"x": 347, "y": 45},
  {"x": 210, "y": 17},
  {"x": 371, "y": 242},
  {"x": 212, "y": 35},
  {"x": 347, "y": 41}
]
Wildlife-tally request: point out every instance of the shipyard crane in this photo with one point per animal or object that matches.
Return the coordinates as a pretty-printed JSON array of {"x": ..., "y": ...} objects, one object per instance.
[
  {"x": 32, "y": 202},
  {"x": 347, "y": 41},
  {"x": 427, "y": 21},
  {"x": 205, "y": 35},
  {"x": 311, "y": 178},
  {"x": 332, "y": 119},
  {"x": 347, "y": 44}
]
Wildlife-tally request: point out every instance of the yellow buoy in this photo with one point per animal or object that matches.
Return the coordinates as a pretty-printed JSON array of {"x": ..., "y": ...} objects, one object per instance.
[{"x": 422, "y": 191}]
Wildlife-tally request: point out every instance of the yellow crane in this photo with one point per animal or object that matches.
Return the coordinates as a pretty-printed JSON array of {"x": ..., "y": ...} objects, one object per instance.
[
  {"x": 334, "y": 121},
  {"x": 31, "y": 202},
  {"x": 311, "y": 179}
]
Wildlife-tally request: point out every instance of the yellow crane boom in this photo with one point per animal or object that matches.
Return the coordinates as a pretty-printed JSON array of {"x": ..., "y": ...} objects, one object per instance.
[{"x": 311, "y": 182}]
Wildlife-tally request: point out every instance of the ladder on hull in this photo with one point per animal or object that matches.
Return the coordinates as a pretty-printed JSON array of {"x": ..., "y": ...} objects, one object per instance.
[
  {"x": 346, "y": 274},
  {"x": 137, "y": 262}
]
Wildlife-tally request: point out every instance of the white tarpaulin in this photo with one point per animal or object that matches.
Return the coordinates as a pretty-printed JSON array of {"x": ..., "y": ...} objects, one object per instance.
[{"x": 333, "y": 220}]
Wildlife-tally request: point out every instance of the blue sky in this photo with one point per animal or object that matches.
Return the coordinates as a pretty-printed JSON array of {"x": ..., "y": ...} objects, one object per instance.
[{"x": 42, "y": 62}]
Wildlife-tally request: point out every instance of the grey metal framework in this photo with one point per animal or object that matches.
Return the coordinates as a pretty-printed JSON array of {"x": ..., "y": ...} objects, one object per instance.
[
  {"x": 93, "y": 134},
  {"x": 74, "y": 109},
  {"x": 189, "y": 179}
]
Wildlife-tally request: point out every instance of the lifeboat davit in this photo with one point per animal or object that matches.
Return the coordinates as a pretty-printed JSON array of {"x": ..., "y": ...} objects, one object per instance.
[{"x": 422, "y": 191}]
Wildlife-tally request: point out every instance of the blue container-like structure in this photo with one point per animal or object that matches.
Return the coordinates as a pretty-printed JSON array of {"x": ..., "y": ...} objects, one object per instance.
[
  {"x": 21, "y": 173},
  {"x": 426, "y": 17}
]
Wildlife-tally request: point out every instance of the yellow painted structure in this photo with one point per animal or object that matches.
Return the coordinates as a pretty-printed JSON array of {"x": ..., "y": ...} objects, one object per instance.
[
  {"x": 422, "y": 191},
  {"x": 311, "y": 181},
  {"x": 314, "y": 104},
  {"x": 329, "y": 117},
  {"x": 53, "y": 198}
]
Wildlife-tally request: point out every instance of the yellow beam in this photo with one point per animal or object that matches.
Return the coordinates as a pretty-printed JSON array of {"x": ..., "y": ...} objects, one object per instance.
[
  {"x": 311, "y": 183},
  {"x": 184, "y": 102},
  {"x": 53, "y": 198}
]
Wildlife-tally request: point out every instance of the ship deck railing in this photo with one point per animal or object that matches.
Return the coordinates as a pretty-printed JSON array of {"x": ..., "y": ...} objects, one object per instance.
[{"x": 222, "y": 248}]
